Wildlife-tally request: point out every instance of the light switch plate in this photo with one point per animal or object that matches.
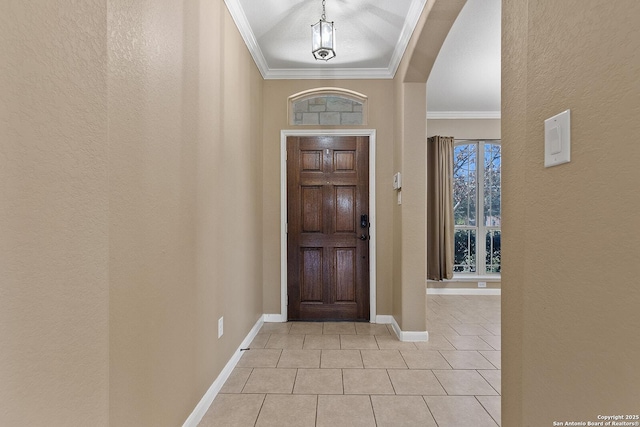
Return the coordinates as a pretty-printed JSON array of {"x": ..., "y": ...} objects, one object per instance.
[{"x": 557, "y": 139}]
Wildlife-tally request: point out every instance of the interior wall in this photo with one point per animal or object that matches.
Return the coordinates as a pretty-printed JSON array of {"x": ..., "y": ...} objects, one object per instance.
[
  {"x": 513, "y": 254},
  {"x": 131, "y": 168},
  {"x": 185, "y": 114},
  {"x": 397, "y": 209},
  {"x": 571, "y": 231},
  {"x": 412, "y": 211},
  {"x": 409, "y": 306},
  {"x": 381, "y": 118},
  {"x": 54, "y": 292}
]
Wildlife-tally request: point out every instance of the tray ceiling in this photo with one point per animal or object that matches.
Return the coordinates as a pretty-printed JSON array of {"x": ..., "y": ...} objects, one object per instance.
[{"x": 372, "y": 36}]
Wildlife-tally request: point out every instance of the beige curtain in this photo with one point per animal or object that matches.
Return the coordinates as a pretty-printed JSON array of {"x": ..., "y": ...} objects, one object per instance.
[{"x": 440, "y": 208}]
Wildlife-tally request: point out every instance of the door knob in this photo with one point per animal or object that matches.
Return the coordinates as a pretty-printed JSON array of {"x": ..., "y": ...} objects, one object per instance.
[{"x": 363, "y": 237}]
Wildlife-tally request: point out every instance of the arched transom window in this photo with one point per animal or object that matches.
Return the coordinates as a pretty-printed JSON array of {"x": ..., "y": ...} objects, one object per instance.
[{"x": 328, "y": 107}]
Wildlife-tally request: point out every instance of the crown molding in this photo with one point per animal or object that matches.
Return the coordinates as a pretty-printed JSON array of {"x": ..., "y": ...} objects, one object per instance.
[
  {"x": 413, "y": 16},
  {"x": 453, "y": 115},
  {"x": 239, "y": 17},
  {"x": 328, "y": 73}
]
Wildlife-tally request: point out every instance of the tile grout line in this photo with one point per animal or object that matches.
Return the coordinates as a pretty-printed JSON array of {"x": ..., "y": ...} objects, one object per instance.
[
  {"x": 295, "y": 380},
  {"x": 499, "y": 393},
  {"x": 445, "y": 359},
  {"x": 440, "y": 382},
  {"x": 487, "y": 411},
  {"x": 493, "y": 364},
  {"x": 246, "y": 381},
  {"x": 373, "y": 411},
  {"x": 429, "y": 409},
  {"x": 395, "y": 393},
  {"x": 260, "y": 410}
]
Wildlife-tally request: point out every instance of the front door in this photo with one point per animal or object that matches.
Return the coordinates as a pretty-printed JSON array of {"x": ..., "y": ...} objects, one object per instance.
[{"x": 328, "y": 228}]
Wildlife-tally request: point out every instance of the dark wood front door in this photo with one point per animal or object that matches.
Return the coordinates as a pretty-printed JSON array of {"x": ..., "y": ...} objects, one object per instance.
[{"x": 328, "y": 228}]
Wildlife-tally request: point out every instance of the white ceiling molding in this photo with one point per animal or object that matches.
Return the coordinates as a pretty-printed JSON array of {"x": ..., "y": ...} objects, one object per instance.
[
  {"x": 239, "y": 17},
  {"x": 328, "y": 73},
  {"x": 455, "y": 115},
  {"x": 415, "y": 10}
]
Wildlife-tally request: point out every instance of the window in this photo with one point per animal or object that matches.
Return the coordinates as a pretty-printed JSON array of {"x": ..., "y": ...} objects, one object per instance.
[
  {"x": 327, "y": 110},
  {"x": 476, "y": 207},
  {"x": 328, "y": 106}
]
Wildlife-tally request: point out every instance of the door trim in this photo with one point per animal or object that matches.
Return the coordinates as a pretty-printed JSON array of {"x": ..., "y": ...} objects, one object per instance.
[{"x": 371, "y": 133}]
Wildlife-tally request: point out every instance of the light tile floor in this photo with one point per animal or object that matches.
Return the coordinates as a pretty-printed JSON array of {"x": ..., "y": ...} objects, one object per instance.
[{"x": 358, "y": 374}]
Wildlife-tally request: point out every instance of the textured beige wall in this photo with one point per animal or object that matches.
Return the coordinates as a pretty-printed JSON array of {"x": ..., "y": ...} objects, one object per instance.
[
  {"x": 397, "y": 209},
  {"x": 412, "y": 211},
  {"x": 185, "y": 203},
  {"x": 464, "y": 128},
  {"x": 53, "y": 214},
  {"x": 514, "y": 208},
  {"x": 381, "y": 118},
  {"x": 131, "y": 208},
  {"x": 570, "y": 328},
  {"x": 409, "y": 269}
]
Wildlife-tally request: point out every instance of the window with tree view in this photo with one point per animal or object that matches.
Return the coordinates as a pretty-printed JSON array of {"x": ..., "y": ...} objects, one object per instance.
[{"x": 476, "y": 207}]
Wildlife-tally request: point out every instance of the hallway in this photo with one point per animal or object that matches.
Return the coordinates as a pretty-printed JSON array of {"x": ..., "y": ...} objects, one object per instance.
[{"x": 359, "y": 374}]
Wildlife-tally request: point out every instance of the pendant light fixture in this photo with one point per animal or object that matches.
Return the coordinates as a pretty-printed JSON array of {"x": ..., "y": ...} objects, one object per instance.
[{"x": 323, "y": 38}]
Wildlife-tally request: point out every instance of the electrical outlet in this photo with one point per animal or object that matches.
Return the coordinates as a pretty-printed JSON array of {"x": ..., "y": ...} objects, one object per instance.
[
  {"x": 482, "y": 284},
  {"x": 220, "y": 326}
]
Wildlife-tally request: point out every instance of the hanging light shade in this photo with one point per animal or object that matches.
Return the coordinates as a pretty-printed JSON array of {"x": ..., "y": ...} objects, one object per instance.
[{"x": 323, "y": 38}]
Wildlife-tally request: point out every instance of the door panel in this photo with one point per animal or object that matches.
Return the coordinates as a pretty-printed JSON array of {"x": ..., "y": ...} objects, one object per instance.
[
  {"x": 345, "y": 274},
  {"x": 327, "y": 248},
  {"x": 311, "y": 209},
  {"x": 344, "y": 161},
  {"x": 312, "y": 161},
  {"x": 345, "y": 198},
  {"x": 311, "y": 279}
]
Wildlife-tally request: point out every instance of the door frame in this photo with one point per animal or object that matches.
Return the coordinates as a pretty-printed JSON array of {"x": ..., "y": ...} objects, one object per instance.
[{"x": 371, "y": 133}]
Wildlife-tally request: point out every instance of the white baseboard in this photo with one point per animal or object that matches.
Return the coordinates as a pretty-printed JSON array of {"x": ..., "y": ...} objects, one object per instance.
[
  {"x": 274, "y": 318},
  {"x": 385, "y": 319},
  {"x": 203, "y": 406},
  {"x": 463, "y": 291},
  {"x": 408, "y": 336}
]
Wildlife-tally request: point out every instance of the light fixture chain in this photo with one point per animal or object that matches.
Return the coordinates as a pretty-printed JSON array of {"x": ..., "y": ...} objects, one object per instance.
[{"x": 324, "y": 16}]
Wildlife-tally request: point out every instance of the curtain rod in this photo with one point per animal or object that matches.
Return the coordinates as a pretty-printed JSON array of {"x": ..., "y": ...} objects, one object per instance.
[{"x": 478, "y": 139}]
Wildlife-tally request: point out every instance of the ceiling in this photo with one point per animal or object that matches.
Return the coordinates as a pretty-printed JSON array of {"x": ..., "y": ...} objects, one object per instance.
[
  {"x": 465, "y": 79},
  {"x": 371, "y": 37}
]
